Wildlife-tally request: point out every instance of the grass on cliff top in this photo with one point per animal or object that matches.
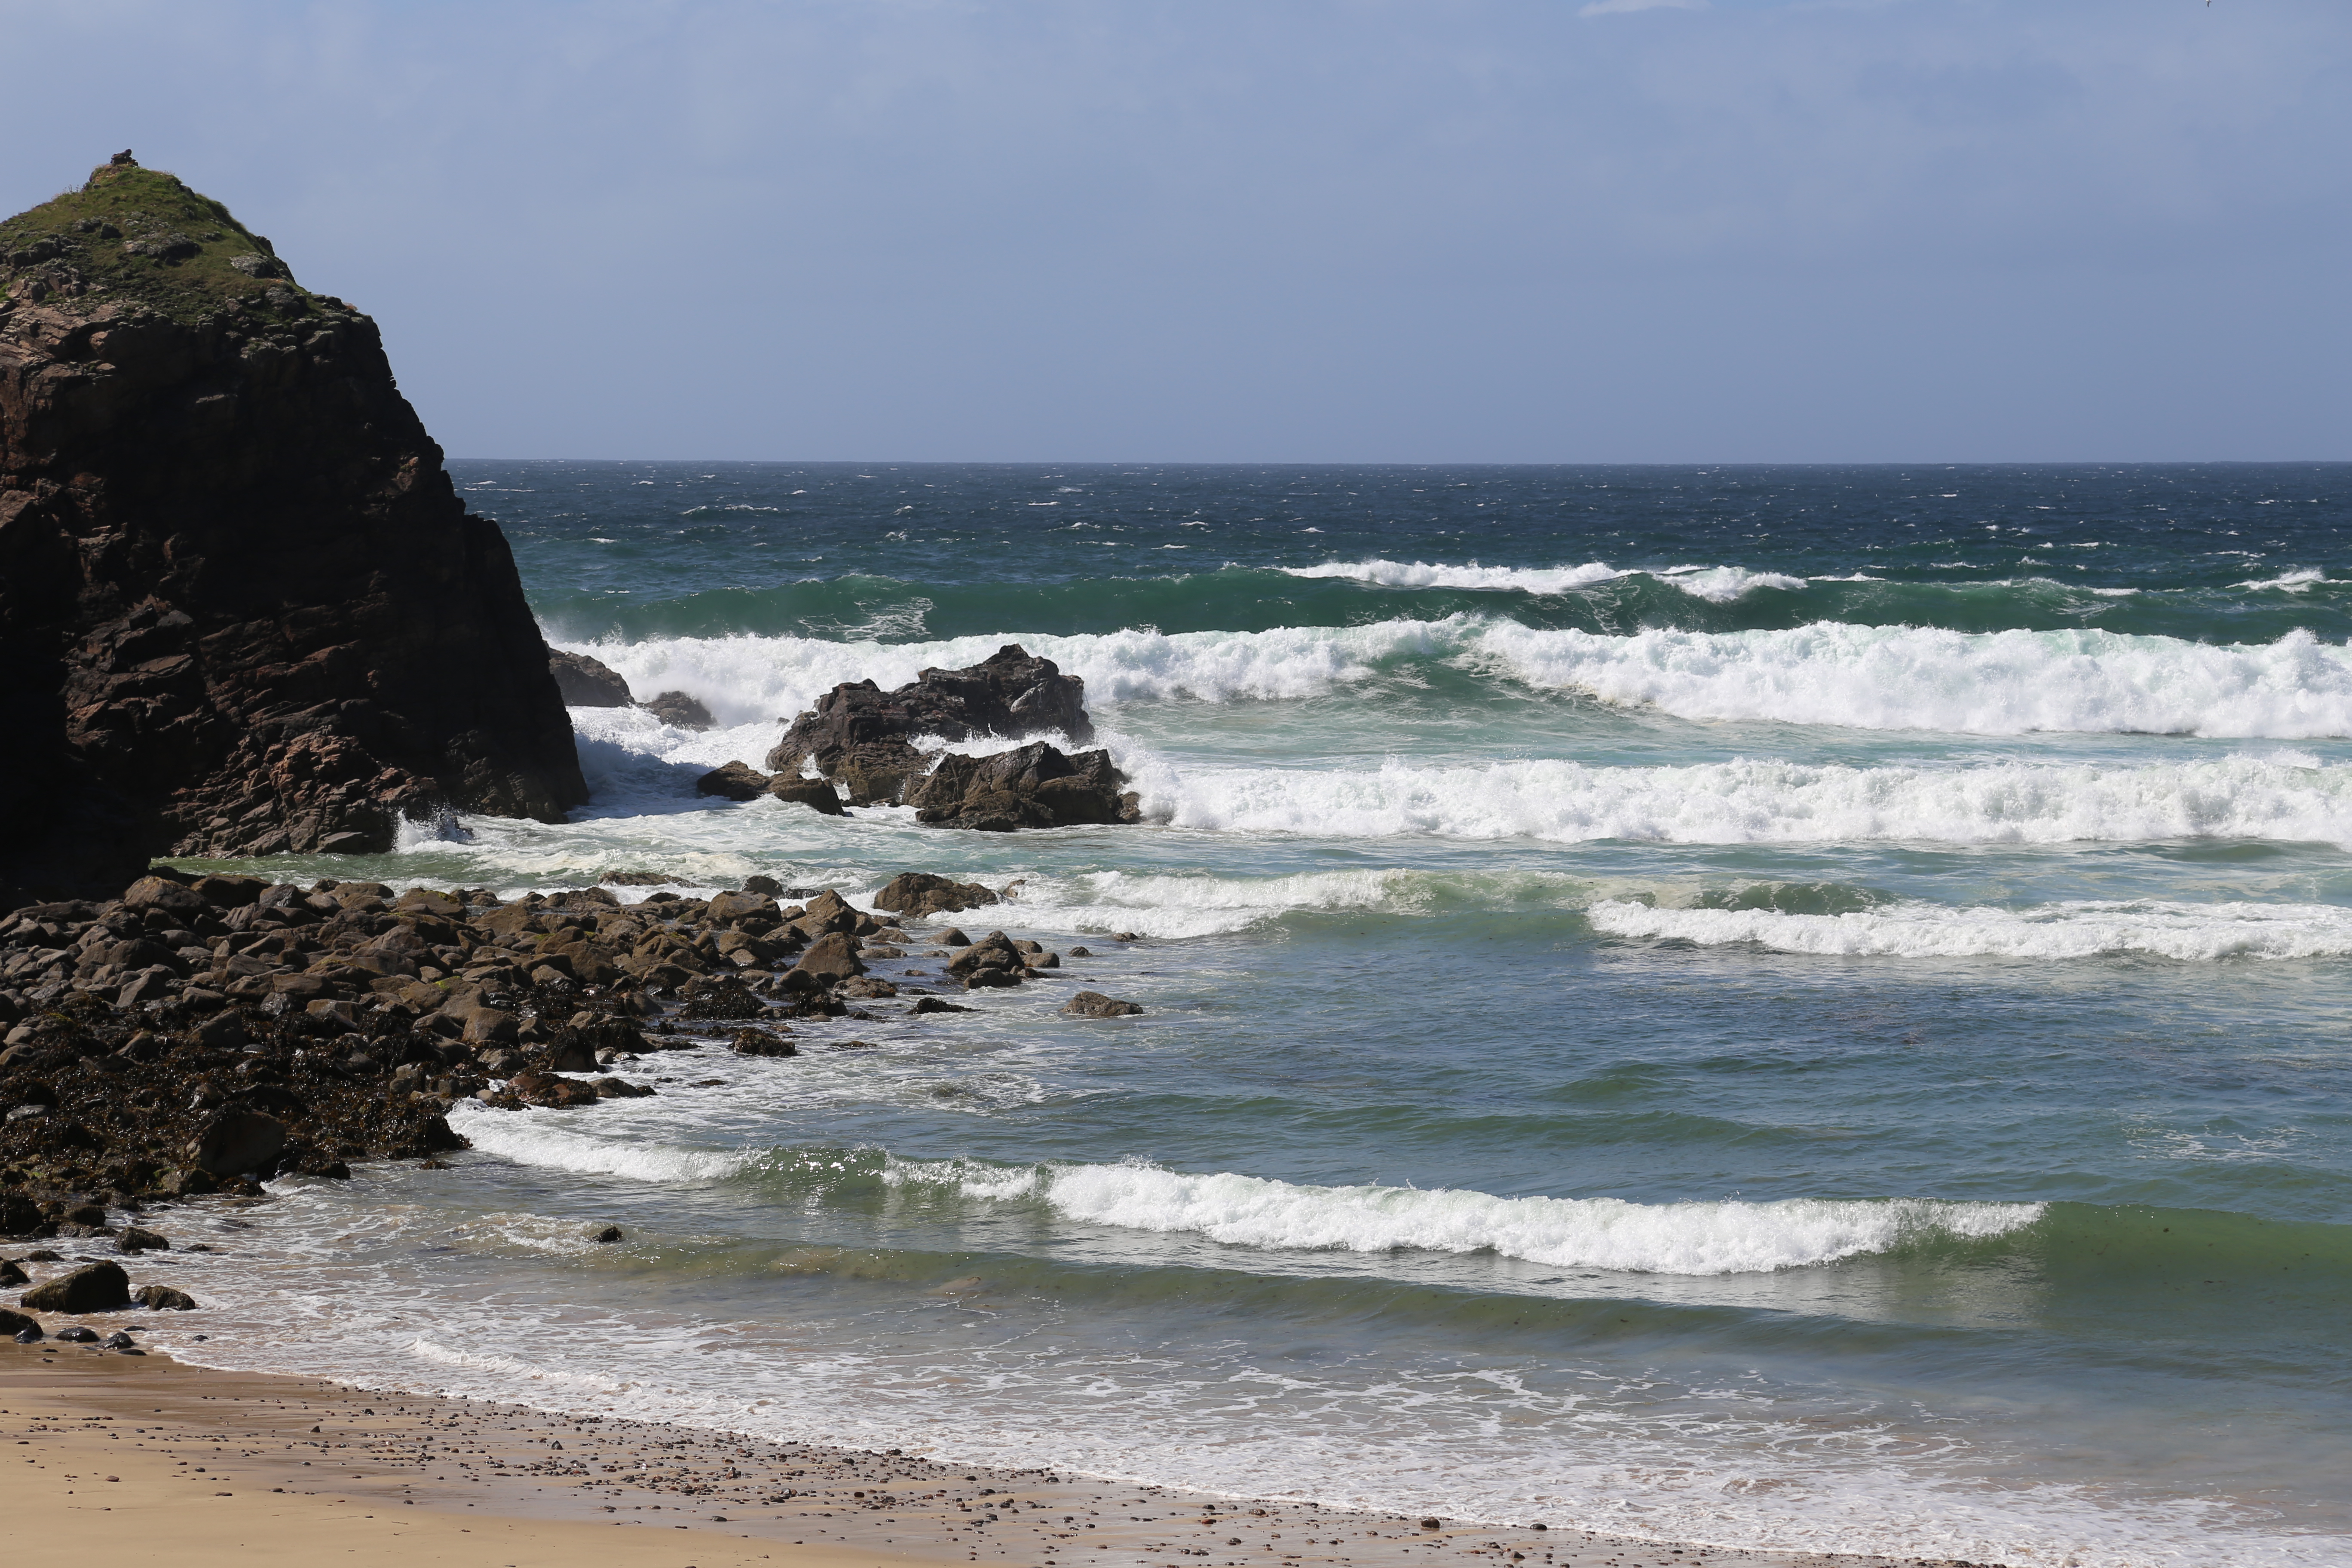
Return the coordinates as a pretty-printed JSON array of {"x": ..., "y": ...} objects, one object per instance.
[{"x": 142, "y": 205}]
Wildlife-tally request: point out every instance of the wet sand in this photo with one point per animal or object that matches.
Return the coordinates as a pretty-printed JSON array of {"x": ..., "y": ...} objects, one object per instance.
[{"x": 114, "y": 1455}]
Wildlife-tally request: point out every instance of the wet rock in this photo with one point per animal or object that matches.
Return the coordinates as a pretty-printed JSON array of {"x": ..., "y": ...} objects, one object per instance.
[
  {"x": 720, "y": 1000},
  {"x": 676, "y": 708},
  {"x": 586, "y": 682},
  {"x": 865, "y": 988},
  {"x": 953, "y": 937},
  {"x": 1035, "y": 785},
  {"x": 16, "y": 1325},
  {"x": 235, "y": 1142},
  {"x": 919, "y": 894},
  {"x": 11, "y": 1276},
  {"x": 621, "y": 1088},
  {"x": 608, "y": 1235},
  {"x": 553, "y": 1093},
  {"x": 163, "y": 1298},
  {"x": 118, "y": 1341},
  {"x": 761, "y": 1042},
  {"x": 816, "y": 793},
  {"x": 993, "y": 961},
  {"x": 78, "y": 1335},
  {"x": 135, "y": 1239},
  {"x": 935, "y": 1005},
  {"x": 1095, "y": 1004},
  {"x": 99, "y": 1287},
  {"x": 1080, "y": 952},
  {"x": 832, "y": 957},
  {"x": 735, "y": 781},
  {"x": 860, "y": 736}
]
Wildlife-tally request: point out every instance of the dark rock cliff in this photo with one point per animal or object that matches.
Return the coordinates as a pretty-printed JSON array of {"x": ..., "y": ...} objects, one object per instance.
[{"x": 242, "y": 610}]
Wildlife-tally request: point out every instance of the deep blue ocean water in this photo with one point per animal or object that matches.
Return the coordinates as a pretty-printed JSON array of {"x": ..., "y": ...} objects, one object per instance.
[{"x": 1799, "y": 1007}]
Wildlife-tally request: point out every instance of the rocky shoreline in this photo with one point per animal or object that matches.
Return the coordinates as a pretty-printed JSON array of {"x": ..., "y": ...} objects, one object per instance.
[{"x": 203, "y": 1034}]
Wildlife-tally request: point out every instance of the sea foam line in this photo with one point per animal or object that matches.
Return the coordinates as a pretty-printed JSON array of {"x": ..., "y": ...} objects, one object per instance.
[
  {"x": 2189, "y": 932},
  {"x": 1828, "y": 673},
  {"x": 1688, "y": 1238},
  {"x": 1719, "y": 585},
  {"x": 1752, "y": 801}
]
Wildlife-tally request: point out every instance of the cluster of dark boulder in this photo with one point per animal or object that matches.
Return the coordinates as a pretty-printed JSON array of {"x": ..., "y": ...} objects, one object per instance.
[
  {"x": 867, "y": 748},
  {"x": 200, "y": 1035}
]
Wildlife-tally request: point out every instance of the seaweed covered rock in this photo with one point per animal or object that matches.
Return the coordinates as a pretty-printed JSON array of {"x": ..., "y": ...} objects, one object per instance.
[{"x": 242, "y": 609}]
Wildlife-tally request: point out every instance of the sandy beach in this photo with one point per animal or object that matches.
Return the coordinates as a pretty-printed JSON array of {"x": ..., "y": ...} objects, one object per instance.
[{"x": 124, "y": 1456}]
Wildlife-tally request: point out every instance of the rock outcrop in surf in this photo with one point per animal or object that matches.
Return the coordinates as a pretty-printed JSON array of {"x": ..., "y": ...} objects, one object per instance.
[
  {"x": 863, "y": 739},
  {"x": 242, "y": 610}
]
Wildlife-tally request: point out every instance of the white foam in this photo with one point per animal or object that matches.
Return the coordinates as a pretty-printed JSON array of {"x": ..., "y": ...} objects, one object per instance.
[
  {"x": 1688, "y": 1238},
  {"x": 533, "y": 1138},
  {"x": 2189, "y": 932},
  {"x": 1828, "y": 673},
  {"x": 1427, "y": 574},
  {"x": 2296, "y": 581},
  {"x": 1913, "y": 678},
  {"x": 1720, "y": 584},
  {"x": 1752, "y": 801}
]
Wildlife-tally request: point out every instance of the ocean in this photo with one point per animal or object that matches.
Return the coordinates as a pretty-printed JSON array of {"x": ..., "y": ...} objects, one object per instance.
[{"x": 1791, "y": 1006}]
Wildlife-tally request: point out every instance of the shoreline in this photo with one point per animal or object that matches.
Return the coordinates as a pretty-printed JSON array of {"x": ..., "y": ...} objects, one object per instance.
[{"x": 122, "y": 1451}]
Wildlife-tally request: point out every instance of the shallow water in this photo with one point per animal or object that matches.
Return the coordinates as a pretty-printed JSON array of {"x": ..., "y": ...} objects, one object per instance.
[{"x": 1792, "y": 1006}]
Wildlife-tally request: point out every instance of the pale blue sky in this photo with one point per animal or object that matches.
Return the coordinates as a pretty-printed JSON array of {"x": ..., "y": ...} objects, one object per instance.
[{"x": 1453, "y": 230}]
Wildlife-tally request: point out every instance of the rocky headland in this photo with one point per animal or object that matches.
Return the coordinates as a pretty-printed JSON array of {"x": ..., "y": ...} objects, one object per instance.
[{"x": 242, "y": 608}]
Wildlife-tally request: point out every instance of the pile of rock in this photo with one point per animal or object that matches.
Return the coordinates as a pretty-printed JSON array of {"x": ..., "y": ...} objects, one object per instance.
[
  {"x": 202, "y": 1034},
  {"x": 864, "y": 740}
]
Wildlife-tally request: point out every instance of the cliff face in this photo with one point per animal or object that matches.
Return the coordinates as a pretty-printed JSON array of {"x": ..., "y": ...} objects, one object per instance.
[{"x": 242, "y": 610}]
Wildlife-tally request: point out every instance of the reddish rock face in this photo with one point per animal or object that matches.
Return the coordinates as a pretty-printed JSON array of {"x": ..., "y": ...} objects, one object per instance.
[{"x": 242, "y": 610}]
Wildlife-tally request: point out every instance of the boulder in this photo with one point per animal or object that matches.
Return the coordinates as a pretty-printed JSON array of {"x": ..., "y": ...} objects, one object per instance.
[
  {"x": 13, "y": 1323},
  {"x": 586, "y": 682},
  {"x": 99, "y": 1287},
  {"x": 295, "y": 635},
  {"x": 162, "y": 1298},
  {"x": 735, "y": 781},
  {"x": 1095, "y": 1004},
  {"x": 993, "y": 961},
  {"x": 620, "y": 1089},
  {"x": 935, "y": 1005},
  {"x": 710, "y": 1000},
  {"x": 727, "y": 909},
  {"x": 862, "y": 736},
  {"x": 919, "y": 894},
  {"x": 546, "y": 1090},
  {"x": 1035, "y": 785},
  {"x": 236, "y": 1141},
  {"x": 676, "y": 708},
  {"x": 761, "y": 1042},
  {"x": 832, "y": 957},
  {"x": 814, "y": 794},
  {"x": 136, "y": 1239}
]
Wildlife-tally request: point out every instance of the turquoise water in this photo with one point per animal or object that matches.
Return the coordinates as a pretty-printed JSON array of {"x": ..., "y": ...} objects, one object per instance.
[{"x": 1775, "y": 1007}]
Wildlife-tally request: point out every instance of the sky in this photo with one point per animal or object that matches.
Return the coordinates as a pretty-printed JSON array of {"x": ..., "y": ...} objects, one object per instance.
[{"x": 1285, "y": 231}]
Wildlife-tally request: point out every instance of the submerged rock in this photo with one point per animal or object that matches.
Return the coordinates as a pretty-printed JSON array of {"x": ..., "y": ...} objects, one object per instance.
[
  {"x": 676, "y": 708},
  {"x": 1095, "y": 1004}
]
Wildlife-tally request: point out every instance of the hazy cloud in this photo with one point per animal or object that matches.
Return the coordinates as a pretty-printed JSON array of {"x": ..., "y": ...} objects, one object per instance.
[{"x": 1618, "y": 7}]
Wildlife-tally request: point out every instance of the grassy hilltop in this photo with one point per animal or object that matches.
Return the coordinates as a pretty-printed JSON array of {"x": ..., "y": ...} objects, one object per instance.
[{"x": 139, "y": 237}]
